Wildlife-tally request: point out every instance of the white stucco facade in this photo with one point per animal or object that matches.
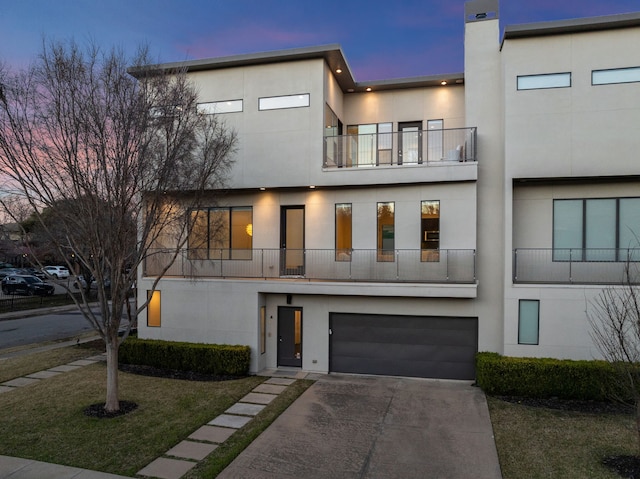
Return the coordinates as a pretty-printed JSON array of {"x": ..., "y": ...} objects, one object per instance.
[{"x": 496, "y": 158}]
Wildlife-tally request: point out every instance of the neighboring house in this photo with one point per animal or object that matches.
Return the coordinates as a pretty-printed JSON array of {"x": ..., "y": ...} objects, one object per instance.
[{"x": 400, "y": 226}]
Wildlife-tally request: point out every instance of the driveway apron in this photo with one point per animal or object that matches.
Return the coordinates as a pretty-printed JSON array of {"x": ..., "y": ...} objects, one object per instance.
[{"x": 376, "y": 427}]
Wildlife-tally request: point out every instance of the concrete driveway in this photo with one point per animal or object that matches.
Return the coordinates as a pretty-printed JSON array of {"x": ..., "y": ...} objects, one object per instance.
[{"x": 348, "y": 426}]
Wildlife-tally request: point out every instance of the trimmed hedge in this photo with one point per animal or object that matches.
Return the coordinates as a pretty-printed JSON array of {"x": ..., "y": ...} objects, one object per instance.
[
  {"x": 218, "y": 359},
  {"x": 545, "y": 377}
]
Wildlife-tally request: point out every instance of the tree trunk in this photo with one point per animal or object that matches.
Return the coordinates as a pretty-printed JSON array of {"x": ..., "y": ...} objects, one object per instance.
[
  {"x": 637, "y": 400},
  {"x": 112, "y": 403}
]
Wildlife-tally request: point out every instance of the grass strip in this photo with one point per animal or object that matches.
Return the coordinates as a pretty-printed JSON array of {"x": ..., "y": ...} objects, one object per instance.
[
  {"x": 46, "y": 420},
  {"x": 537, "y": 443},
  {"x": 14, "y": 367}
]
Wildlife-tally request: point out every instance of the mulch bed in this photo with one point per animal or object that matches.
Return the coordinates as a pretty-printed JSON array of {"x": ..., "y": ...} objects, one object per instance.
[
  {"x": 98, "y": 410},
  {"x": 625, "y": 466},
  {"x": 173, "y": 374}
]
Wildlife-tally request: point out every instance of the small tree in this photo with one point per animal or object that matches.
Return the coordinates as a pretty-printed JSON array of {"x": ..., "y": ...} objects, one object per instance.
[
  {"x": 614, "y": 316},
  {"x": 109, "y": 165}
]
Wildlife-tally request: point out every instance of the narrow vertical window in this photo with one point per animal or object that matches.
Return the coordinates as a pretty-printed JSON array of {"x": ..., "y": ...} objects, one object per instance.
[
  {"x": 430, "y": 230},
  {"x": 263, "y": 329},
  {"x": 528, "y": 321},
  {"x": 386, "y": 231},
  {"x": 343, "y": 232},
  {"x": 435, "y": 140},
  {"x": 153, "y": 308}
]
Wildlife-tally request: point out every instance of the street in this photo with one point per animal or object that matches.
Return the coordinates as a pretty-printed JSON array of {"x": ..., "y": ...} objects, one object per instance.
[{"x": 45, "y": 327}]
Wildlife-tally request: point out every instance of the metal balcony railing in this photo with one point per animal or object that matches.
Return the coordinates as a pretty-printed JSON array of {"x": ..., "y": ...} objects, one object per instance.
[
  {"x": 576, "y": 265},
  {"x": 426, "y": 147},
  {"x": 420, "y": 266}
]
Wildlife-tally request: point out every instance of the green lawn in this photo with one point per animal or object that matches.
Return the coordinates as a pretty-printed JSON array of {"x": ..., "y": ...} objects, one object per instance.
[
  {"x": 47, "y": 423},
  {"x": 536, "y": 443}
]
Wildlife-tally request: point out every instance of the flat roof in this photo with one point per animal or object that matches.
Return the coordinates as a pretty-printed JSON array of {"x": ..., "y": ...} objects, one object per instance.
[
  {"x": 333, "y": 56},
  {"x": 576, "y": 25}
]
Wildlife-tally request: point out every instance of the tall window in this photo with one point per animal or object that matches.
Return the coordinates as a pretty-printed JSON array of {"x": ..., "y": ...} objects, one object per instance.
[
  {"x": 386, "y": 231},
  {"x": 153, "y": 308},
  {"x": 435, "y": 139},
  {"x": 343, "y": 232},
  {"x": 221, "y": 233},
  {"x": 369, "y": 145},
  {"x": 263, "y": 329},
  {"x": 599, "y": 229},
  {"x": 528, "y": 321},
  {"x": 430, "y": 230},
  {"x": 332, "y": 132}
]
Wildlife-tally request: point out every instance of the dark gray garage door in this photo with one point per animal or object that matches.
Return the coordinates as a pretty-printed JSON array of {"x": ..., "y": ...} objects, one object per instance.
[{"x": 415, "y": 346}]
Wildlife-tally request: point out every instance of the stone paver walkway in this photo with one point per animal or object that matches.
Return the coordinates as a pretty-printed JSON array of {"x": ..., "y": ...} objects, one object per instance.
[
  {"x": 181, "y": 458},
  {"x": 38, "y": 376}
]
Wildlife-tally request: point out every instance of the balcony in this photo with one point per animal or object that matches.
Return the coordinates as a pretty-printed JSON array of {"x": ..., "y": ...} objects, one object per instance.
[
  {"x": 575, "y": 266},
  {"x": 416, "y": 266},
  {"x": 426, "y": 147}
]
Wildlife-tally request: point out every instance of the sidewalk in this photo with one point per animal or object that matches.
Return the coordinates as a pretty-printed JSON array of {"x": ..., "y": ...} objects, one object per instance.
[{"x": 16, "y": 468}]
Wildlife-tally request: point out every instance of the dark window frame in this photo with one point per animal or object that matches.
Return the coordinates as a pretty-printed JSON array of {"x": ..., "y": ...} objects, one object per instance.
[
  {"x": 543, "y": 75},
  {"x": 230, "y": 249},
  {"x": 583, "y": 248},
  {"x": 520, "y": 301}
]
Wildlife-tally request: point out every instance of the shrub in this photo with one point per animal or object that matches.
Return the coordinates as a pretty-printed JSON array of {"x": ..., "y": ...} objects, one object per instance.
[
  {"x": 545, "y": 377},
  {"x": 217, "y": 359}
]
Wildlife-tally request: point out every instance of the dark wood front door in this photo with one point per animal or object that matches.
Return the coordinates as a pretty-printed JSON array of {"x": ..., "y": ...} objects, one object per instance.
[{"x": 289, "y": 336}]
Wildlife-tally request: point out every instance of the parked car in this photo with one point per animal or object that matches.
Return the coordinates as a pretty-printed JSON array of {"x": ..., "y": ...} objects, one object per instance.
[
  {"x": 26, "y": 284},
  {"x": 34, "y": 272},
  {"x": 81, "y": 282},
  {"x": 4, "y": 272},
  {"x": 57, "y": 272}
]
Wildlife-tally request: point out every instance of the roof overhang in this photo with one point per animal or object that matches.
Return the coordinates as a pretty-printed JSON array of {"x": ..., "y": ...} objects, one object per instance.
[
  {"x": 331, "y": 54},
  {"x": 578, "y": 25}
]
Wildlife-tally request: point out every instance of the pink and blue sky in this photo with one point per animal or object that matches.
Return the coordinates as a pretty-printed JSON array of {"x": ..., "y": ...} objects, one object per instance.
[{"x": 381, "y": 39}]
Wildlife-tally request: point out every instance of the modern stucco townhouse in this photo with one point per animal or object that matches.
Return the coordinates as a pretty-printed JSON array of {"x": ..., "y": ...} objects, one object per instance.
[{"x": 400, "y": 226}]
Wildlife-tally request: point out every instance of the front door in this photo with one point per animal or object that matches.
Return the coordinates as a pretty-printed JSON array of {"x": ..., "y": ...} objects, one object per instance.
[
  {"x": 410, "y": 143},
  {"x": 289, "y": 336},
  {"x": 292, "y": 241}
]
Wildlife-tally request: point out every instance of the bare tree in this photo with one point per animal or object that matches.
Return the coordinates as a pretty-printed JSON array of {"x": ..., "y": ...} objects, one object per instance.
[
  {"x": 614, "y": 316},
  {"x": 116, "y": 161}
]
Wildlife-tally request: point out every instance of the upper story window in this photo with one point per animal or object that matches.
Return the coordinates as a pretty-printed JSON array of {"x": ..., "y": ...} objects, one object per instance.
[
  {"x": 343, "y": 231},
  {"x": 288, "y": 101},
  {"x": 386, "y": 240},
  {"x": 221, "y": 233},
  {"x": 546, "y": 80},
  {"x": 598, "y": 229},
  {"x": 215, "y": 107},
  {"x": 615, "y": 75},
  {"x": 369, "y": 144},
  {"x": 430, "y": 230}
]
